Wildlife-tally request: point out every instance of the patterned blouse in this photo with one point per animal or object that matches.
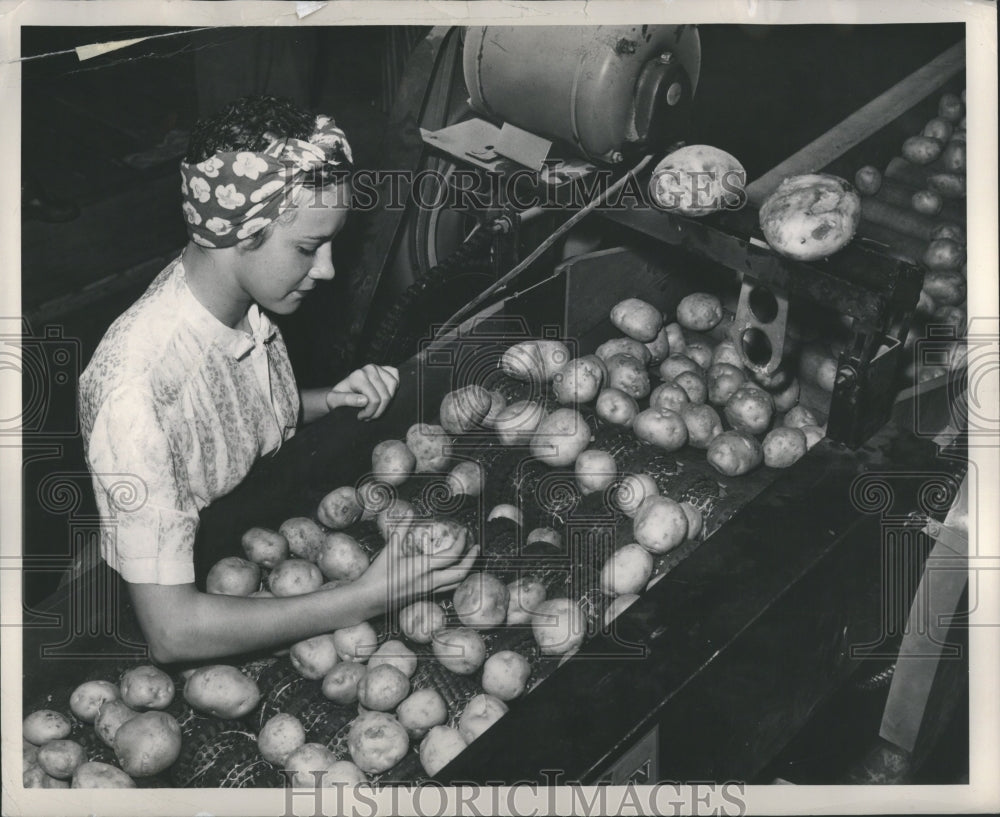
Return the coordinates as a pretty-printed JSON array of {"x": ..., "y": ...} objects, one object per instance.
[{"x": 175, "y": 408}]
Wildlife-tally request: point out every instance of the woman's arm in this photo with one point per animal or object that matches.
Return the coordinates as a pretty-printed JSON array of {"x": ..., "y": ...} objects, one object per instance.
[{"x": 370, "y": 389}]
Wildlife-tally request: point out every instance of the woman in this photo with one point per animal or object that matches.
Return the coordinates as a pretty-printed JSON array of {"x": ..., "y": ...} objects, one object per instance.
[{"x": 193, "y": 383}]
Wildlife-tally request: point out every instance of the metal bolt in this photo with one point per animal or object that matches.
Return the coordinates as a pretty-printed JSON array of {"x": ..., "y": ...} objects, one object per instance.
[
  {"x": 617, "y": 157},
  {"x": 666, "y": 57}
]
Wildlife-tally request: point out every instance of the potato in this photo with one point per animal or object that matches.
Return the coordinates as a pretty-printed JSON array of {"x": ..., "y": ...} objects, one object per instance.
[
  {"x": 658, "y": 347},
  {"x": 799, "y": 416},
  {"x": 615, "y": 407},
  {"x": 279, "y": 737},
  {"x": 787, "y": 397},
  {"x": 783, "y": 447},
  {"x": 35, "y": 778},
  {"x": 949, "y": 230},
  {"x": 110, "y": 717},
  {"x": 700, "y": 353},
  {"x": 340, "y": 684},
  {"x": 148, "y": 744},
  {"x": 343, "y": 773},
  {"x": 675, "y": 364},
  {"x": 221, "y": 690},
  {"x": 549, "y": 536},
  {"x": 694, "y": 519},
  {"x": 868, "y": 180},
  {"x": 659, "y": 525},
  {"x": 29, "y": 754},
  {"x": 627, "y": 570},
  {"x": 632, "y": 490},
  {"x": 750, "y": 410},
  {"x": 676, "y": 339},
  {"x": 396, "y": 515},
  {"x": 340, "y": 508},
  {"x": 97, "y": 775},
  {"x": 480, "y": 713},
  {"x": 624, "y": 346},
  {"x": 618, "y": 605},
  {"x": 559, "y": 626},
  {"x": 947, "y": 185},
  {"x": 294, "y": 577},
  {"x": 517, "y": 423},
  {"x": 579, "y": 381},
  {"x": 481, "y": 600},
  {"x": 434, "y": 537},
  {"x": 146, "y": 687},
  {"x": 560, "y": 438},
  {"x": 954, "y": 158},
  {"x": 734, "y": 453},
  {"x": 505, "y": 675},
  {"x": 661, "y": 427},
  {"x": 694, "y": 387},
  {"x": 595, "y": 471},
  {"x": 308, "y": 765},
  {"x": 696, "y": 180},
  {"x": 314, "y": 657},
  {"x": 703, "y": 424},
  {"x": 950, "y": 107},
  {"x": 392, "y": 462},
  {"x": 266, "y": 547},
  {"x": 536, "y": 361},
  {"x": 954, "y": 315},
  {"x": 628, "y": 374},
  {"x": 357, "y": 643},
  {"x": 60, "y": 758},
  {"x": 506, "y": 511},
  {"x": 938, "y": 128},
  {"x": 233, "y": 576},
  {"x": 421, "y": 711},
  {"x": 442, "y": 745},
  {"x": 461, "y": 649},
  {"x": 699, "y": 312},
  {"x": 377, "y": 741},
  {"x": 420, "y": 620},
  {"x": 945, "y": 287},
  {"x": 341, "y": 557},
  {"x": 668, "y": 395},
  {"x": 637, "y": 319},
  {"x": 818, "y": 366},
  {"x": 466, "y": 479},
  {"x": 396, "y": 654},
  {"x": 497, "y": 404},
  {"x": 464, "y": 409},
  {"x": 921, "y": 150},
  {"x": 810, "y": 217},
  {"x": 927, "y": 202},
  {"x": 383, "y": 688},
  {"x": 428, "y": 443},
  {"x": 525, "y": 595},
  {"x": 813, "y": 434},
  {"x": 305, "y": 537},
  {"x": 86, "y": 700},
  {"x": 725, "y": 351},
  {"x": 943, "y": 254}
]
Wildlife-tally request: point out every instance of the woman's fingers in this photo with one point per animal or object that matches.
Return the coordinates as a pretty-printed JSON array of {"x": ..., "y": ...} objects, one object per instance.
[
  {"x": 336, "y": 398},
  {"x": 453, "y": 575}
]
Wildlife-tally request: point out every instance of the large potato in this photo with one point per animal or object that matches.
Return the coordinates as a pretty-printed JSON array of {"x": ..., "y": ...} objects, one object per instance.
[
  {"x": 628, "y": 374},
  {"x": 559, "y": 626},
  {"x": 669, "y": 396},
  {"x": 659, "y": 525},
  {"x": 392, "y": 462},
  {"x": 787, "y": 397},
  {"x": 60, "y": 758},
  {"x": 233, "y": 576},
  {"x": 441, "y": 745},
  {"x": 517, "y": 423},
  {"x": 818, "y": 365},
  {"x": 110, "y": 717},
  {"x": 696, "y": 180},
  {"x": 279, "y": 737},
  {"x": 750, "y": 410},
  {"x": 813, "y": 434},
  {"x": 461, "y": 650},
  {"x": 694, "y": 386},
  {"x": 663, "y": 428},
  {"x": 466, "y": 479},
  {"x": 86, "y": 700},
  {"x": 481, "y": 600},
  {"x": 498, "y": 402},
  {"x": 383, "y": 688},
  {"x": 505, "y": 675},
  {"x": 422, "y": 711},
  {"x": 658, "y": 347},
  {"x": 694, "y": 518},
  {"x": 560, "y": 438},
  {"x": 536, "y": 361},
  {"x": 724, "y": 380},
  {"x": 615, "y": 407},
  {"x": 921, "y": 150},
  {"x": 221, "y": 690},
  {"x": 637, "y": 319},
  {"x": 340, "y": 685},
  {"x": 480, "y": 713},
  {"x": 341, "y": 557},
  {"x": 627, "y": 570},
  {"x": 377, "y": 741},
  {"x": 700, "y": 353},
  {"x": 945, "y": 286},
  {"x": 266, "y": 547},
  {"x": 703, "y": 424},
  {"x": 357, "y": 643},
  {"x": 146, "y": 687},
  {"x": 799, "y": 416},
  {"x": 811, "y": 217},
  {"x": 420, "y": 620},
  {"x": 624, "y": 346},
  {"x": 339, "y": 509},
  {"x": 506, "y": 511},
  {"x": 675, "y": 363},
  {"x": 314, "y": 657},
  {"x": 35, "y": 778},
  {"x": 44, "y": 725},
  {"x": 632, "y": 490},
  {"x": 435, "y": 537},
  {"x": 526, "y": 594},
  {"x": 618, "y": 605},
  {"x": 464, "y": 409},
  {"x": 97, "y": 775},
  {"x": 580, "y": 380},
  {"x": 734, "y": 453},
  {"x": 397, "y": 654},
  {"x": 943, "y": 254},
  {"x": 308, "y": 765},
  {"x": 148, "y": 744},
  {"x": 699, "y": 312},
  {"x": 294, "y": 577},
  {"x": 783, "y": 446},
  {"x": 305, "y": 537},
  {"x": 725, "y": 351},
  {"x": 595, "y": 471},
  {"x": 429, "y": 445}
]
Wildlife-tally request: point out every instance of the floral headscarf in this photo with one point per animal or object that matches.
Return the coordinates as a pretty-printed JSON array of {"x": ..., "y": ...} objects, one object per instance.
[{"x": 234, "y": 194}]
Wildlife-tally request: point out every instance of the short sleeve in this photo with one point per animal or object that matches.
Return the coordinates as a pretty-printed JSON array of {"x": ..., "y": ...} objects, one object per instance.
[{"x": 143, "y": 494}]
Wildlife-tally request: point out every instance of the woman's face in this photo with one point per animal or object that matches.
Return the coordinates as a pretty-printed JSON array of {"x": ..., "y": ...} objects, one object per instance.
[{"x": 296, "y": 255}]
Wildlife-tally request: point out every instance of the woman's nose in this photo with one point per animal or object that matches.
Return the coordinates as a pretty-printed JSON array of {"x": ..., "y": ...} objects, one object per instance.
[{"x": 322, "y": 268}]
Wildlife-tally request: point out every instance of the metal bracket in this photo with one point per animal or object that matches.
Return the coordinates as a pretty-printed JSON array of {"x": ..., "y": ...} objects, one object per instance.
[{"x": 758, "y": 331}]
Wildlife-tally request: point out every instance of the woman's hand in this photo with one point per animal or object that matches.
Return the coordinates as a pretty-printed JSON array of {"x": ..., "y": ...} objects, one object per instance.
[{"x": 370, "y": 388}]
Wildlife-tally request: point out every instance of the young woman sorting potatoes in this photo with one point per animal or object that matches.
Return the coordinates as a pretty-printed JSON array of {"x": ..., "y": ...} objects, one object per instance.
[{"x": 193, "y": 383}]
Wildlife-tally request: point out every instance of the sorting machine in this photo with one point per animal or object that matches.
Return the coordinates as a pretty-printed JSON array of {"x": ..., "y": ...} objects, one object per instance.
[{"x": 783, "y": 597}]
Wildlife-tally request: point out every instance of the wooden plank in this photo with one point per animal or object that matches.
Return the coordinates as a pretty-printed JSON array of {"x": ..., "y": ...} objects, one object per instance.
[{"x": 863, "y": 123}]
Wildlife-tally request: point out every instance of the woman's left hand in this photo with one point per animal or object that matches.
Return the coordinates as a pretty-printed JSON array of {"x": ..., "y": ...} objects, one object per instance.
[{"x": 370, "y": 388}]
